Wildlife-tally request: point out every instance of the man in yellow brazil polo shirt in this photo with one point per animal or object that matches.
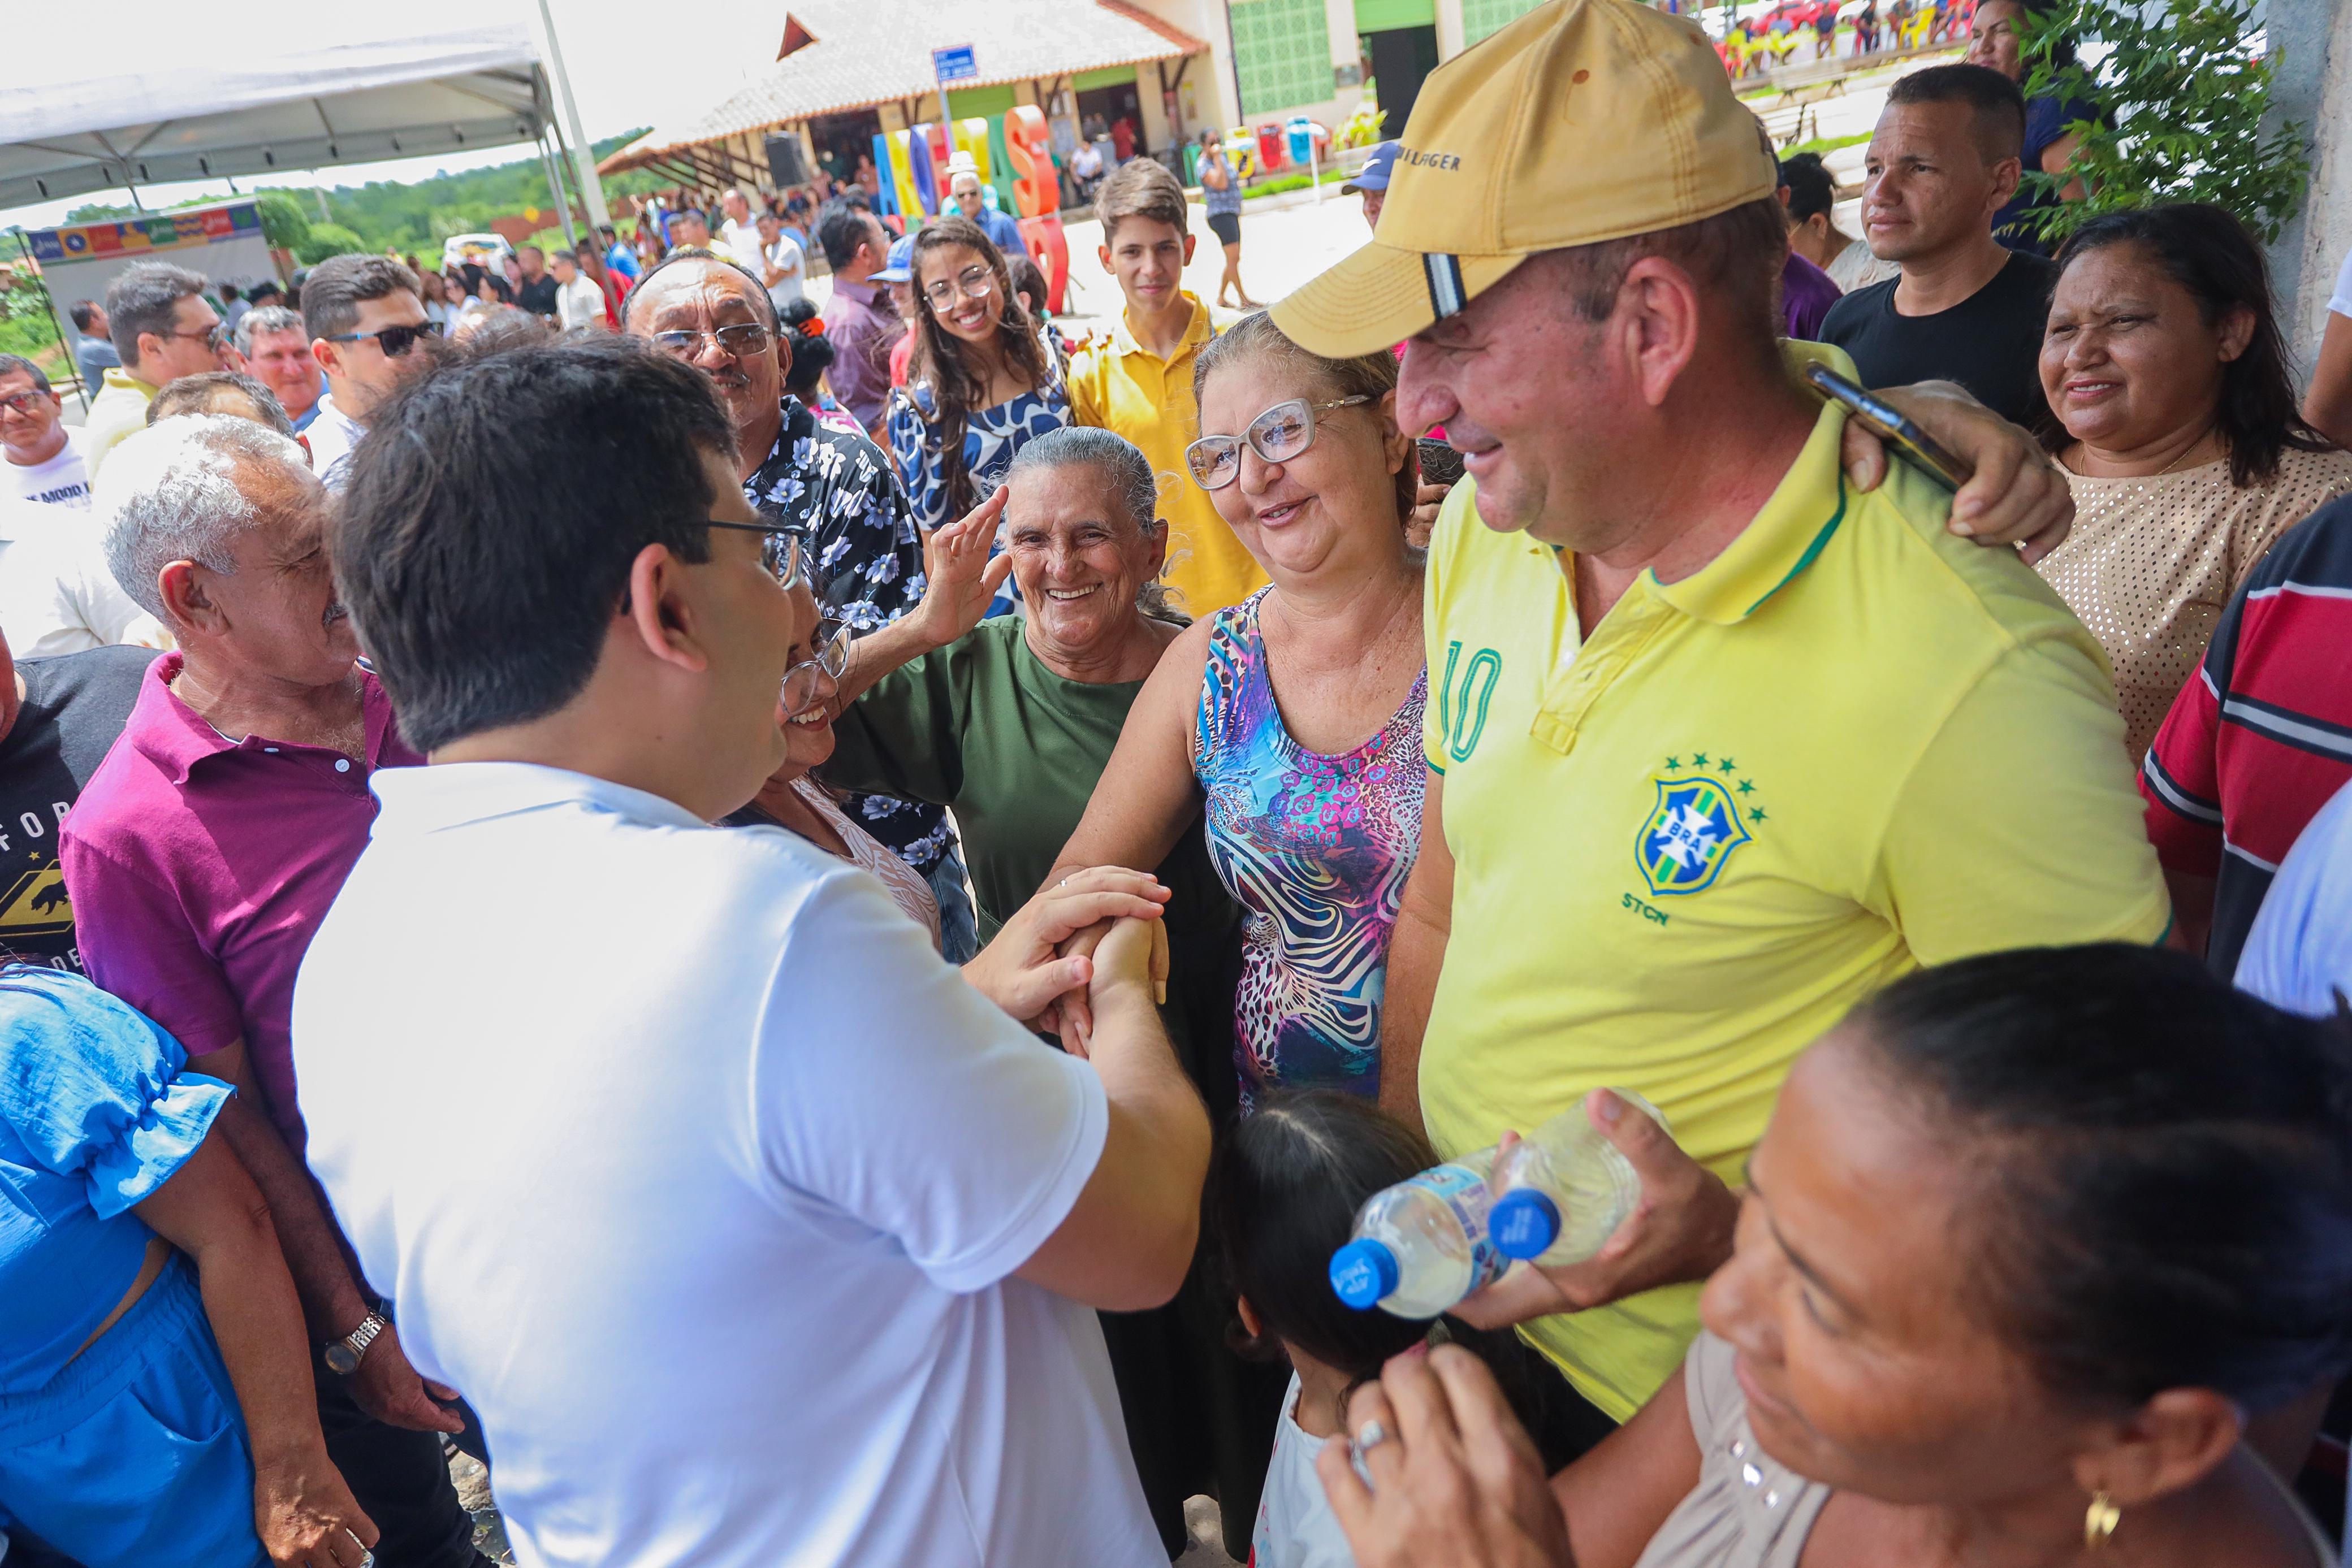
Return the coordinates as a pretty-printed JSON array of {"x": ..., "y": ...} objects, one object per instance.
[{"x": 1718, "y": 745}]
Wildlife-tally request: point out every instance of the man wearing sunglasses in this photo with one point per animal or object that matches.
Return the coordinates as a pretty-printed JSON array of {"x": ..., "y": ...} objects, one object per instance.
[
  {"x": 369, "y": 333},
  {"x": 164, "y": 328}
]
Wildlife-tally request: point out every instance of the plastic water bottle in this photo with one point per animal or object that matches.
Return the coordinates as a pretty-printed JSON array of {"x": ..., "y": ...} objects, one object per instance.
[
  {"x": 1421, "y": 1244},
  {"x": 1563, "y": 1190}
]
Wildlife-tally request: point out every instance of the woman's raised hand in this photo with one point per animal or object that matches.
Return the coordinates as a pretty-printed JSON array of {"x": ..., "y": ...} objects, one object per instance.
[{"x": 961, "y": 578}]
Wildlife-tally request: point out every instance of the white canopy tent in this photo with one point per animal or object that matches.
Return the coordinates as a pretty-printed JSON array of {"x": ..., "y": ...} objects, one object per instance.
[{"x": 136, "y": 94}]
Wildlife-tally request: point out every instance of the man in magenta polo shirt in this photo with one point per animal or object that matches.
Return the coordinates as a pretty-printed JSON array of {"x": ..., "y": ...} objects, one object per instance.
[{"x": 205, "y": 849}]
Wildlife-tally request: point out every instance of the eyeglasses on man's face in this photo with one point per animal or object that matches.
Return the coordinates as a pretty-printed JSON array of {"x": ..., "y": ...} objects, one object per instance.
[
  {"x": 815, "y": 680},
  {"x": 972, "y": 283},
  {"x": 25, "y": 402},
  {"x": 394, "y": 340},
  {"x": 737, "y": 340},
  {"x": 784, "y": 551},
  {"x": 1278, "y": 434}
]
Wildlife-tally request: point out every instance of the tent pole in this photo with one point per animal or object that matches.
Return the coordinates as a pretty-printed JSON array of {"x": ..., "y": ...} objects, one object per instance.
[
  {"x": 65, "y": 338},
  {"x": 583, "y": 155},
  {"x": 555, "y": 188}
]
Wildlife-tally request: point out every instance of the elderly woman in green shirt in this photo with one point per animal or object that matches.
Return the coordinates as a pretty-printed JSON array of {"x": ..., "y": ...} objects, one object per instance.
[{"x": 1009, "y": 721}]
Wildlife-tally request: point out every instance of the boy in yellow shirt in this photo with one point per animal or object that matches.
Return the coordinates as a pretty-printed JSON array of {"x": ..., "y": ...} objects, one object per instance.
[{"x": 1139, "y": 382}]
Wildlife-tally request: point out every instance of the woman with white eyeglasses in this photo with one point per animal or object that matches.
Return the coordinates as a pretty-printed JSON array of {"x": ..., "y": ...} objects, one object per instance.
[{"x": 1293, "y": 717}]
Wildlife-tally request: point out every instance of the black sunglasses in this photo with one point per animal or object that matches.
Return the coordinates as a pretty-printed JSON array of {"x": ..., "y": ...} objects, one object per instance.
[{"x": 394, "y": 340}]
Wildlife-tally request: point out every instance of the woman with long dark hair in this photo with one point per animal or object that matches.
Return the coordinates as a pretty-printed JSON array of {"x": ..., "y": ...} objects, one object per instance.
[
  {"x": 980, "y": 384},
  {"x": 2172, "y": 411}
]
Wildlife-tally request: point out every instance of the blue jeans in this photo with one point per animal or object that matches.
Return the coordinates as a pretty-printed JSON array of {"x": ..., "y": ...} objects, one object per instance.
[{"x": 959, "y": 923}]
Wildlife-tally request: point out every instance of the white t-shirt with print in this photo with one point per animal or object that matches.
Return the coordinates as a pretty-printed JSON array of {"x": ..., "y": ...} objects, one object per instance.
[
  {"x": 699, "y": 1174},
  {"x": 1296, "y": 1527},
  {"x": 62, "y": 481}
]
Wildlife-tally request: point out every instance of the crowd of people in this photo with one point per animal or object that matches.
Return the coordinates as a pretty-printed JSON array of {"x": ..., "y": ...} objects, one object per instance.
[{"x": 804, "y": 927}]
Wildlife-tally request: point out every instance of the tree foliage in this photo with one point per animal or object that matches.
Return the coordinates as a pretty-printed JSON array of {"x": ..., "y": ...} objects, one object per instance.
[
  {"x": 411, "y": 216},
  {"x": 2185, "y": 91},
  {"x": 327, "y": 239},
  {"x": 284, "y": 224}
]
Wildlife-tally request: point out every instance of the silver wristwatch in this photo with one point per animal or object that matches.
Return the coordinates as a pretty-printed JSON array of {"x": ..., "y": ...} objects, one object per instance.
[{"x": 343, "y": 1355}]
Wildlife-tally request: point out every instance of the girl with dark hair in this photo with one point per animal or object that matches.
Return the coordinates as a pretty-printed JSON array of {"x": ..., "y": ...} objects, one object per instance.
[
  {"x": 2040, "y": 1258},
  {"x": 1283, "y": 1191},
  {"x": 2171, "y": 409},
  {"x": 809, "y": 353},
  {"x": 1997, "y": 41},
  {"x": 980, "y": 384}
]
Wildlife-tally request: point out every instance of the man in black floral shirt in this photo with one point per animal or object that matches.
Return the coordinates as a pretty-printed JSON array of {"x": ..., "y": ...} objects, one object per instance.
[{"x": 835, "y": 485}]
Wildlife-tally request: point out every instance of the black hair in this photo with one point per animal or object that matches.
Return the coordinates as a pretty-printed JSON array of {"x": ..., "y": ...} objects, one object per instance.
[
  {"x": 84, "y": 312},
  {"x": 337, "y": 286},
  {"x": 1283, "y": 1190},
  {"x": 499, "y": 286},
  {"x": 1997, "y": 108},
  {"x": 266, "y": 287},
  {"x": 2206, "y": 251},
  {"x": 494, "y": 510},
  {"x": 18, "y": 365},
  {"x": 2165, "y": 1168},
  {"x": 1282, "y": 1197},
  {"x": 841, "y": 228},
  {"x": 145, "y": 298},
  {"x": 1811, "y": 189},
  {"x": 1028, "y": 278},
  {"x": 813, "y": 351}
]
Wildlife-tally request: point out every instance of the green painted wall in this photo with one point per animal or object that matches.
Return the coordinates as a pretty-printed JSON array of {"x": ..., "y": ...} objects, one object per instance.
[
  {"x": 1380, "y": 15},
  {"x": 1282, "y": 51},
  {"x": 1482, "y": 18}
]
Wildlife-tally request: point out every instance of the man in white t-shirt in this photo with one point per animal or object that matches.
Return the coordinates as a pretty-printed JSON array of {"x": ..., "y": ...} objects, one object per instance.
[
  {"x": 754, "y": 1232},
  {"x": 736, "y": 230},
  {"x": 41, "y": 456},
  {"x": 783, "y": 265},
  {"x": 369, "y": 333},
  {"x": 56, "y": 595},
  {"x": 578, "y": 302}
]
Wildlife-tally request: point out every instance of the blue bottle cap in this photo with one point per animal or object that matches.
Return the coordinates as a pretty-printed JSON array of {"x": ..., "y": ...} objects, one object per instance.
[
  {"x": 1523, "y": 1223},
  {"x": 1362, "y": 1272}
]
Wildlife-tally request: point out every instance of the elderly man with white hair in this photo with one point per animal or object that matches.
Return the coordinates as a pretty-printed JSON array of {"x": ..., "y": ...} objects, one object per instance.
[
  {"x": 964, "y": 194},
  {"x": 205, "y": 849}
]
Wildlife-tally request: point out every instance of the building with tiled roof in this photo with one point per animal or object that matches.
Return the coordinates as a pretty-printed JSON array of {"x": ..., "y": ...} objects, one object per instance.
[{"x": 848, "y": 69}]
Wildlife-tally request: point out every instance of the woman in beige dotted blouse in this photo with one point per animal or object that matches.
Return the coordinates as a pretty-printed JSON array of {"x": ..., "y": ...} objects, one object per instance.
[{"x": 2175, "y": 420}]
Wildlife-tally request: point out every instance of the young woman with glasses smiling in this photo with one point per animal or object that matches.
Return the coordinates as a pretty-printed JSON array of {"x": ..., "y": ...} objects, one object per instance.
[{"x": 980, "y": 384}]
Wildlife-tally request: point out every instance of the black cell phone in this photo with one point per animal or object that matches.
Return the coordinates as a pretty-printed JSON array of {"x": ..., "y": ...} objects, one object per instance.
[
  {"x": 1440, "y": 464},
  {"x": 1891, "y": 425}
]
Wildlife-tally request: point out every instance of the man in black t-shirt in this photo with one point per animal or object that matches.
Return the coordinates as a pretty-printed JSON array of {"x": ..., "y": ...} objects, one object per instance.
[
  {"x": 1943, "y": 159},
  {"x": 57, "y": 718},
  {"x": 539, "y": 288}
]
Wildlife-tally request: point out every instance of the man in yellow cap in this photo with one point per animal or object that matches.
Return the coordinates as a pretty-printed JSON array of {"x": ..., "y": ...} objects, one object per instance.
[{"x": 1719, "y": 743}]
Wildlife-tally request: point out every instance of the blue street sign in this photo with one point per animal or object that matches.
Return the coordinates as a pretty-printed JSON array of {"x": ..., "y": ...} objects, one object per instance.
[{"x": 954, "y": 64}]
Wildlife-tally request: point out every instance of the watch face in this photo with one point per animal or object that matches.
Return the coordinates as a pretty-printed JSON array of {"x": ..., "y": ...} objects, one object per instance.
[{"x": 340, "y": 1361}]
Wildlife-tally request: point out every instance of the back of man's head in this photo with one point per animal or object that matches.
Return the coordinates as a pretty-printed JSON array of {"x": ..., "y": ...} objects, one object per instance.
[
  {"x": 146, "y": 299},
  {"x": 229, "y": 393},
  {"x": 1809, "y": 185},
  {"x": 841, "y": 228},
  {"x": 184, "y": 490},
  {"x": 84, "y": 313},
  {"x": 484, "y": 556},
  {"x": 1140, "y": 188},
  {"x": 337, "y": 286},
  {"x": 1996, "y": 108}
]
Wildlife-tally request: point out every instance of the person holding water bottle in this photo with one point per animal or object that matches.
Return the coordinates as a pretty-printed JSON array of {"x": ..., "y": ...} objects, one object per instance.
[{"x": 1719, "y": 743}]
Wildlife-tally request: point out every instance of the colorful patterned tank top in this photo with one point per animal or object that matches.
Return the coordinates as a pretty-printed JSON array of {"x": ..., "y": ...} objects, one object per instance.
[{"x": 1316, "y": 849}]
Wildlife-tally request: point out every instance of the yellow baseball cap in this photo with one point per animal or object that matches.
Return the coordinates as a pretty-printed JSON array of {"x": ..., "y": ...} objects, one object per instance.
[{"x": 1584, "y": 121}]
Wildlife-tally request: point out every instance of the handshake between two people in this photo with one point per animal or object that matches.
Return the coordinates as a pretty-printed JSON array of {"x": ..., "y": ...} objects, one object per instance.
[{"x": 1092, "y": 940}]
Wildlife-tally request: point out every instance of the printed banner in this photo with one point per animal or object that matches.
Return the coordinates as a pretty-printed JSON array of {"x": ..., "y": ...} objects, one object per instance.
[{"x": 145, "y": 236}]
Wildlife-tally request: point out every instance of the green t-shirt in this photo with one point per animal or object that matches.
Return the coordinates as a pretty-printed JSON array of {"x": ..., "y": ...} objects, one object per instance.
[{"x": 982, "y": 726}]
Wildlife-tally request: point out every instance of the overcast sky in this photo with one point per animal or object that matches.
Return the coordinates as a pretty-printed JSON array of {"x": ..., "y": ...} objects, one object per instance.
[{"x": 629, "y": 67}]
